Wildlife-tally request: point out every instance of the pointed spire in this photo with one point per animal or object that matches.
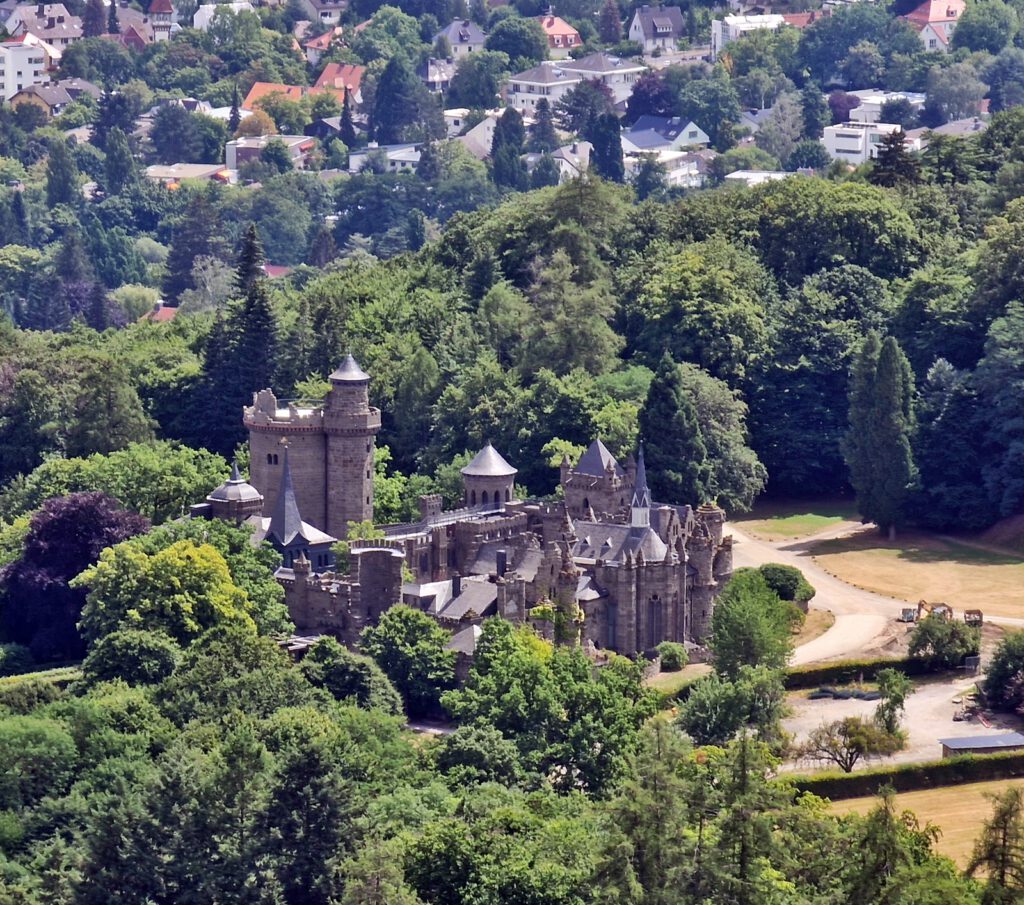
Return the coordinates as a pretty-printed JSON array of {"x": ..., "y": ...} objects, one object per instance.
[
  {"x": 286, "y": 522},
  {"x": 641, "y": 505},
  {"x": 236, "y": 475},
  {"x": 349, "y": 372}
]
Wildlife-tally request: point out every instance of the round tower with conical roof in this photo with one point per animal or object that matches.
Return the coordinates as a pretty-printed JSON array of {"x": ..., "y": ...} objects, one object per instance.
[
  {"x": 489, "y": 480},
  {"x": 351, "y": 425}
]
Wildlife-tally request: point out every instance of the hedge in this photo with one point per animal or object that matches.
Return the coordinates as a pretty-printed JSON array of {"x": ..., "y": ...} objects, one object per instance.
[
  {"x": 951, "y": 771},
  {"x": 844, "y": 672}
]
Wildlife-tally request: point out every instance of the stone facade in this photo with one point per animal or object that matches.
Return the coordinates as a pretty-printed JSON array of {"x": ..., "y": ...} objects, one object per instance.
[{"x": 605, "y": 567}]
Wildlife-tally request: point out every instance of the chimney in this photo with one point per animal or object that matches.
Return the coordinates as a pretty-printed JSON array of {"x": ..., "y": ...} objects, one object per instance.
[
  {"x": 502, "y": 563},
  {"x": 456, "y": 584},
  {"x": 40, "y": 11}
]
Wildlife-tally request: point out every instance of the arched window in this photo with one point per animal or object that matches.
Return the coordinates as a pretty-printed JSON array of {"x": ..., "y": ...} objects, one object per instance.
[
  {"x": 483, "y": 497},
  {"x": 472, "y": 498},
  {"x": 270, "y": 459},
  {"x": 507, "y": 496},
  {"x": 586, "y": 503}
]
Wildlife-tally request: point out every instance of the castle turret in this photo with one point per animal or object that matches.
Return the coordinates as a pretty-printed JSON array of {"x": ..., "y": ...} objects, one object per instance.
[
  {"x": 488, "y": 480},
  {"x": 640, "y": 507},
  {"x": 351, "y": 426},
  {"x": 236, "y": 499}
]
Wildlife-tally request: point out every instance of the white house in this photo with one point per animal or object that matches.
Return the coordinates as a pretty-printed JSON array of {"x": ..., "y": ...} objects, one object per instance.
[
  {"x": 204, "y": 13},
  {"x": 731, "y": 28},
  {"x": 871, "y": 101},
  {"x": 683, "y": 169},
  {"x": 24, "y": 61},
  {"x": 657, "y": 27},
  {"x": 661, "y": 133},
  {"x": 935, "y": 21},
  {"x": 856, "y": 143},
  {"x": 403, "y": 158},
  {"x": 248, "y": 148},
  {"x": 553, "y": 80},
  {"x": 49, "y": 21},
  {"x": 751, "y": 178},
  {"x": 464, "y": 37}
]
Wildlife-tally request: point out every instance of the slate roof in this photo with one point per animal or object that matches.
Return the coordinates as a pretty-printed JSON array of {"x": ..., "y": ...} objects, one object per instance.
[
  {"x": 52, "y": 95},
  {"x": 464, "y": 641},
  {"x": 349, "y": 372},
  {"x": 611, "y": 543},
  {"x": 659, "y": 21},
  {"x": 285, "y": 523},
  {"x": 235, "y": 488},
  {"x": 548, "y": 73},
  {"x": 462, "y": 31},
  {"x": 488, "y": 463},
  {"x": 601, "y": 62},
  {"x": 479, "y": 597},
  {"x": 641, "y": 493},
  {"x": 1003, "y": 740},
  {"x": 596, "y": 460}
]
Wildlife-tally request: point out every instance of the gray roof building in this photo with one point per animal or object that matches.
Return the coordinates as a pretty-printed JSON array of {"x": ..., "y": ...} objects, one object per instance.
[
  {"x": 464, "y": 36},
  {"x": 597, "y": 460},
  {"x": 488, "y": 463}
]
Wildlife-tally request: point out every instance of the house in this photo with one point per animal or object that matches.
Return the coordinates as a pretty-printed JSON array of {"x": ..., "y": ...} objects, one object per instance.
[
  {"x": 455, "y": 120},
  {"x": 752, "y": 178},
  {"x": 661, "y": 133},
  {"x": 173, "y": 174},
  {"x": 50, "y": 22},
  {"x": 436, "y": 74},
  {"x": 683, "y": 169},
  {"x": 401, "y": 158},
  {"x": 326, "y": 12},
  {"x": 958, "y": 128},
  {"x": 316, "y": 47},
  {"x": 261, "y": 90},
  {"x": 752, "y": 120},
  {"x": 51, "y": 99},
  {"x": 731, "y": 28},
  {"x": 562, "y": 37},
  {"x": 77, "y": 87},
  {"x": 342, "y": 77},
  {"x": 982, "y": 744},
  {"x": 24, "y": 61},
  {"x": 657, "y": 27},
  {"x": 203, "y": 15},
  {"x": 248, "y": 148},
  {"x": 552, "y": 80},
  {"x": 871, "y": 102},
  {"x": 856, "y": 143},
  {"x": 161, "y": 19},
  {"x": 464, "y": 37},
  {"x": 572, "y": 159},
  {"x": 934, "y": 21}
]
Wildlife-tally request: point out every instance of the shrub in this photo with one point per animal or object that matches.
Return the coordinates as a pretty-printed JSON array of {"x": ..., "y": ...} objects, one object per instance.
[
  {"x": 15, "y": 659},
  {"x": 139, "y": 657},
  {"x": 673, "y": 656},
  {"x": 788, "y": 582},
  {"x": 942, "y": 643},
  {"x": 1004, "y": 679}
]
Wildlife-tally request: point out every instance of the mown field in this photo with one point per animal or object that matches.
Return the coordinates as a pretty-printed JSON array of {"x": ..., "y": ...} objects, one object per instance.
[{"x": 780, "y": 520}]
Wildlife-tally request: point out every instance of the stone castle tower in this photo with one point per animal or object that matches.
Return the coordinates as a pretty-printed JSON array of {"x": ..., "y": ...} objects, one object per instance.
[{"x": 330, "y": 449}]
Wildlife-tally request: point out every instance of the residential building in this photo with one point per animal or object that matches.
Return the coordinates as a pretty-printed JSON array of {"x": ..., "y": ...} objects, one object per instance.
[
  {"x": 342, "y": 77},
  {"x": 23, "y": 62},
  {"x": 856, "y": 143},
  {"x": 174, "y": 174},
  {"x": 161, "y": 19},
  {"x": 935, "y": 22},
  {"x": 662, "y": 133},
  {"x": 248, "y": 148},
  {"x": 562, "y": 37},
  {"x": 958, "y": 128},
  {"x": 203, "y": 15},
  {"x": 751, "y": 178},
  {"x": 464, "y": 37},
  {"x": 683, "y": 169},
  {"x": 437, "y": 74},
  {"x": 401, "y": 158},
  {"x": 731, "y": 28},
  {"x": 871, "y": 102},
  {"x": 316, "y": 47},
  {"x": 657, "y": 27},
  {"x": 326, "y": 12},
  {"x": 552, "y": 80},
  {"x": 77, "y": 87},
  {"x": 51, "y": 99},
  {"x": 455, "y": 120},
  {"x": 50, "y": 22},
  {"x": 260, "y": 90}
]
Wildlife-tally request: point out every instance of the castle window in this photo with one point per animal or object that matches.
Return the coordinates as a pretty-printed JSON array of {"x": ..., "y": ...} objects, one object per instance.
[
  {"x": 424, "y": 563},
  {"x": 586, "y": 503},
  {"x": 368, "y": 473},
  {"x": 270, "y": 459},
  {"x": 369, "y": 445},
  {"x": 472, "y": 498},
  {"x": 613, "y": 619},
  {"x": 483, "y": 497},
  {"x": 507, "y": 497}
]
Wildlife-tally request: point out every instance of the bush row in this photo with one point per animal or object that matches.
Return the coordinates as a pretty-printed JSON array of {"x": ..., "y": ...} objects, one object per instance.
[
  {"x": 952, "y": 771},
  {"x": 845, "y": 671}
]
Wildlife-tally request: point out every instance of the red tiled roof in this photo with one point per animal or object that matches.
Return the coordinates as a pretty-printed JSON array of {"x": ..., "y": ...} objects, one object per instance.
[
  {"x": 260, "y": 90},
  {"x": 276, "y": 270},
  {"x": 802, "y": 20},
  {"x": 322, "y": 42},
  {"x": 555, "y": 25},
  {"x": 341, "y": 75},
  {"x": 161, "y": 314},
  {"x": 932, "y": 11},
  {"x": 161, "y": 6}
]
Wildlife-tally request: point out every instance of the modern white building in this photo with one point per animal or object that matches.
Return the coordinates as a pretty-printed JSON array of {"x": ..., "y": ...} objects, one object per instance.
[
  {"x": 732, "y": 28},
  {"x": 23, "y": 62},
  {"x": 553, "y": 80},
  {"x": 856, "y": 143},
  {"x": 871, "y": 102},
  {"x": 752, "y": 178},
  {"x": 204, "y": 13}
]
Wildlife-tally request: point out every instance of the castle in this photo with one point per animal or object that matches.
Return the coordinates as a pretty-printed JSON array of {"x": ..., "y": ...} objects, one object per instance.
[{"x": 605, "y": 566}]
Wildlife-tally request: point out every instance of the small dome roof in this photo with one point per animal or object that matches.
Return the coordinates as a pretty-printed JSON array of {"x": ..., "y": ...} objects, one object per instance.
[
  {"x": 488, "y": 463},
  {"x": 350, "y": 372},
  {"x": 235, "y": 489}
]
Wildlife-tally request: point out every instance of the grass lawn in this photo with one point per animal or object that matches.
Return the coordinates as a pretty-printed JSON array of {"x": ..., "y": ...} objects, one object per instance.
[
  {"x": 959, "y": 811},
  {"x": 919, "y": 567},
  {"x": 817, "y": 623},
  {"x": 671, "y": 682},
  {"x": 781, "y": 520}
]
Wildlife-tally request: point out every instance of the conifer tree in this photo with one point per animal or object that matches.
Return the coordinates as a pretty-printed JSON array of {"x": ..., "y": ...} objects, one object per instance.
[
  {"x": 22, "y": 228},
  {"x": 397, "y": 101},
  {"x": 94, "y": 19},
  {"x": 119, "y": 166},
  {"x": 610, "y": 25},
  {"x": 346, "y": 128},
  {"x": 677, "y": 467},
  {"x": 877, "y": 446},
  {"x": 323, "y": 249},
  {"x": 234, "y": 117},
  {"x": 542, "y": 135},
  {"x": 508, "y": 169},
  {"x": 98, "y": 315},
  {"x": 61, "y": 175},
  {"x": 607, "y": 154},
  {"x": 894, "y": 164},
  {"x": 249, "y": 267},
  {"x": 113, "y": 22},
  {"x": 545, "y": 172},
  {"x": 196, "y": 233},
  {"x": 814, "y": 111},
  {"x": 71, "y": 263},
  {"x": 999, "y": 851}
]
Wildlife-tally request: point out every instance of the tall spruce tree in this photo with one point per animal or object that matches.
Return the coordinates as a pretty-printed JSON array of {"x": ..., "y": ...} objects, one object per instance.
[
  {"x": 609, "y": 24},
  {"x": 607, "y": 154},
  {"x": 94, "y": 19},
  {"x": 507, "y": 167},
  {"x": 346, "y": 127},
  {"x": 234, "y": 117},
  {"x": 894, "y": 165},
  {"x": 397, "y": 103},
  {"x": 677, "y": 467},
  {"x": 119, "y": 166},
  {"x": 877, "y": 446},
  {"x": 22, "y": 227},
  {"x": 61, "y": 175},
  {"x": 814, "y": 110},
  {"x": 113, "y": 22},
  {"x": 196, "y": 233},
  {"x": 249, "y": 267},
  {"x": 542, "y": 134}
]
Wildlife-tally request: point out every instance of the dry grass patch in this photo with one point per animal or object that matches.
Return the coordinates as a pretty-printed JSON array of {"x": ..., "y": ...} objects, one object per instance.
[
  {"x": 959, "y": 811},
  {"x": 671, "y": 682},
  {"x": 816, "y": 624},
  {"x": 920, "y": 567},
  {"x": 788, "y": 520}
]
